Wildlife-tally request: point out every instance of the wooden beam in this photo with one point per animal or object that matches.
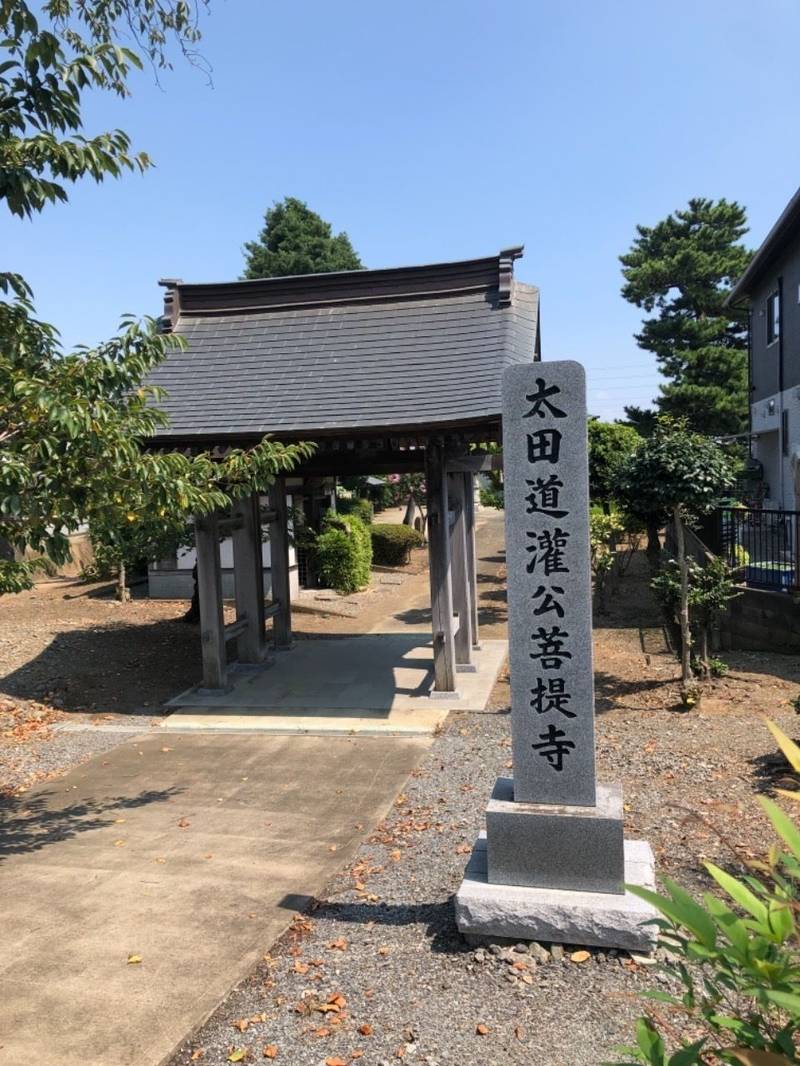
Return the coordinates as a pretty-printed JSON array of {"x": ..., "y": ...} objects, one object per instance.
[
  {"x": 460, "y": 582},
  {"x": 474, "y": 464},
  {"x": 247, "y": 576},
  {"x": 444, "y": 658},
  {"x": 279, "y": 564},
  {"x": 209, "y": 590},
  {"x": 472, "y": 562}
]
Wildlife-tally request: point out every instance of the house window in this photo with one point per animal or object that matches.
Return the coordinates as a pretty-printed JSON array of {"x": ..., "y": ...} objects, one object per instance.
[{"x": 773, "y": 317}]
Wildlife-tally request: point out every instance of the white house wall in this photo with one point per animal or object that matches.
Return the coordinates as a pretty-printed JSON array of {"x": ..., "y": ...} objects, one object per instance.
[
  {"x": 172, "y": 579},
  {"x": 779, "y": 459}
]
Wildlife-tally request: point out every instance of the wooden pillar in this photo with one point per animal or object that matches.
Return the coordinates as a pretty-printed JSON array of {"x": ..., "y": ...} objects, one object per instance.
[
  {"x": 279, "y": 564},
  {"x": 472, "y": 561},
  {"x": 444, "y": 658},
  {"x": 248, "y": 578},
  {"x": 460, "y": 578},
  {"x": 209, "y": 590}
]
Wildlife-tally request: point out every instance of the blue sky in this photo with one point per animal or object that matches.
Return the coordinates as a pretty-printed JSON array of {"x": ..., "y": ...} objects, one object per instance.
[{"x": 435, "y": 131}]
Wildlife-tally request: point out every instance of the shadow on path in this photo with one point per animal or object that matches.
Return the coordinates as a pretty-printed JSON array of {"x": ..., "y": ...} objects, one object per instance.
[{"x": 30, "y": 824}]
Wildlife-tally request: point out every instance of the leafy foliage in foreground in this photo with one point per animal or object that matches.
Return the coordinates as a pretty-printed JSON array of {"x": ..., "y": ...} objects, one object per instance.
[
  {"x": 48, "y": 63},
  {"x": 71, "y": 433},
  {"x": 736, "y": 957}
]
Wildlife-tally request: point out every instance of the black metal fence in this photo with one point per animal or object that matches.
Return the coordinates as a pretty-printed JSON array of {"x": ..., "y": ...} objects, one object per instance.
[{"x": 761, "y": 545}]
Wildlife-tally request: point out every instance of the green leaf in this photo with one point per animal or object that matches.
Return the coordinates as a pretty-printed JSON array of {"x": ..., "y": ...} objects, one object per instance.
[
  {"x": 788, "y": 1001},
  {"x": 783, "y": 825},
  {"x": 688, "y": 1055},
  {"x": 738, "y": 892},
  {"x": 650, "y": 1043}
]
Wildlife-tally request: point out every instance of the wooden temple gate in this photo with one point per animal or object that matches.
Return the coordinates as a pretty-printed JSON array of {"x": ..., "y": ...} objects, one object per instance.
[{"x": 386, "y": 371}]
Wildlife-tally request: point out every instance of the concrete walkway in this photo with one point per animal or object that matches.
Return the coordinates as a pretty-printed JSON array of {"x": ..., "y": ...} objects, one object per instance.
[
  {"x": 190, "y": 852},
  {"x": 373, "y": 684}
]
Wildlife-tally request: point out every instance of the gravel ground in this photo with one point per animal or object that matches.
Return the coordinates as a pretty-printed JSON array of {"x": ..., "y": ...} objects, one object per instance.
[
  {"x": 40, "y": 744},
  {"x": 375, "y": 971}
]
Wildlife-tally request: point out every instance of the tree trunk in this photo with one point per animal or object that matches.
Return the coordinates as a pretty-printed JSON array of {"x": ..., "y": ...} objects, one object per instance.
[
  {"x": 123, "y": 592},
  {"x": 193, "y": 614},
  {"x": 653, "y": 551},
  {"x": 411, "y": 510},
  {"x": 704, "y": 651},
  {"x": 686, "y": 638}
]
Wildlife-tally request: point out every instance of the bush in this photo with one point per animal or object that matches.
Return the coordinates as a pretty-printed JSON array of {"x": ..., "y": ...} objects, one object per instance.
[
  {"x": 734, "y": 958},
  {"x": 492, "y": 497},
  {"x": 361, "y": 508},
  {"x": 392, "y": 544},
  {"x": 343, "y": 553}
]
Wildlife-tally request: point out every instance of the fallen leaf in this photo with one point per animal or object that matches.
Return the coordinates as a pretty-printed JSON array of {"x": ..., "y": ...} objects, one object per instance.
[
  {"x": 333, "y": 847},
  {"x": 396, "y": 855},
  {"x": 580, "y": 956},
  {"x": 119, "y": 843},
  {"x": 271, "y": 1051},
  {"x": 481, "y": 1029},
  {"x": 463, "y": 849},
  {"x": 526, "y": 977},
  {"x": 301, "y": 967},
  {"x": 322, "y": 1031},
  {"x": 400, "y": 1053},
  {"x": 519, "y": 1033},
  {"x": 237, "y": 1055},
  {"x": 365, "y": 1029},
  {"x": 161, "y": 860},
  {"x": 383, "y": 950},
  {"x": 357, "y": 1054},
  {"x": 166, "y": 749},
  {"x": 339, "y": 944},
  {"x": 334, "y": 1060},
  {"x": 241, "y": 1024},
  {"x": 134, "y": 959},
  {"x": 118, "y": 821},
  {"x": 184, "y": 823},
  {"x": 197, "y": 1054}
]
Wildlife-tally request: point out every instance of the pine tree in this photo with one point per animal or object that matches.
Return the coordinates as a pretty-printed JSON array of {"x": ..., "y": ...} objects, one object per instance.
[
  {"x": 683, "y": 268},
  {"x": 295, "y": 240}
]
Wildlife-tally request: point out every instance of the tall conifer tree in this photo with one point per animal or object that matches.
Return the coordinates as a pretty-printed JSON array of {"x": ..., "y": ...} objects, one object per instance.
[
  {"x": 296, "y": 240},
  {"x": 683, "y": 269}
]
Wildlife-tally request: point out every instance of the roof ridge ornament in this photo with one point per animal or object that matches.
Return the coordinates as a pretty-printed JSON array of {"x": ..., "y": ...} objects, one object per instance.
[
  {"x": 505, "y": 262},
  {"x": 172, "y": 304}
]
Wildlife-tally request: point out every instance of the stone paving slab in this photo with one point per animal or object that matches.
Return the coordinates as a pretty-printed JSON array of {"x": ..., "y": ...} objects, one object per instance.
[
  {"x": 375, "y": 683},
  {"x": 193, "y": 852}
]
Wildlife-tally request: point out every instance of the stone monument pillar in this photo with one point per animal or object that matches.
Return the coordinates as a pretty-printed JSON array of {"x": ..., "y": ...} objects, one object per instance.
[{"x": 552, "y": 864}]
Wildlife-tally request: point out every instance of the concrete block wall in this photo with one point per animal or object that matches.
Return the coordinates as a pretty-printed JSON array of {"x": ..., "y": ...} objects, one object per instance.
[{"x": 762, "y": 620}]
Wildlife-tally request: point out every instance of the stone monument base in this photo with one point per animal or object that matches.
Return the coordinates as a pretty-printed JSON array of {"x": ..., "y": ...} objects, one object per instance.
[
  {"x": 542, "y": 845},
  {"x": 601, "y": 919}
]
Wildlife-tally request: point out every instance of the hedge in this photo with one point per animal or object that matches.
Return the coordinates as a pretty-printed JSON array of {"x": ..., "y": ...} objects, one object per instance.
[
  {"x": 343, "y": 553},
  {"x": 392, "y": 543},
  {"x": 362, "y": 509}
]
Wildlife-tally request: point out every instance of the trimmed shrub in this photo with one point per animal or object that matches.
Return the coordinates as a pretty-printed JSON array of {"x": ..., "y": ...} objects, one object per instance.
[
  {"x": 343, "y": 553},
  {"x": 361, "y": 508},
  {"x": 392, "y": 543}
]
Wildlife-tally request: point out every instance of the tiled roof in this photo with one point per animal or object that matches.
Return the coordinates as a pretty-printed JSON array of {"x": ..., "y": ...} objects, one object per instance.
[{"x": 410, "y": 348}]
